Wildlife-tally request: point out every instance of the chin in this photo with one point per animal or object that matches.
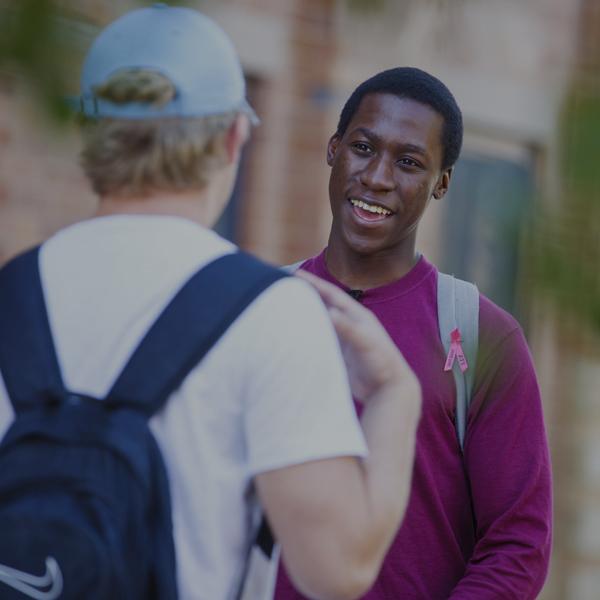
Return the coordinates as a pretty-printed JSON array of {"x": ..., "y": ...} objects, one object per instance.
[{"x": 364, "y": 247}]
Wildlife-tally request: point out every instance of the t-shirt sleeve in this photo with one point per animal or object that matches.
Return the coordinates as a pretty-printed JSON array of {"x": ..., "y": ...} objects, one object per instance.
[{"x": 297, "y": 401}]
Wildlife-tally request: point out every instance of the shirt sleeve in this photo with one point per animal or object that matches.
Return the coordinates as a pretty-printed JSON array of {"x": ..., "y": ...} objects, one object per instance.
[
  {"x": 508, "y": 465},
  {"x": 298, "y": 405}
]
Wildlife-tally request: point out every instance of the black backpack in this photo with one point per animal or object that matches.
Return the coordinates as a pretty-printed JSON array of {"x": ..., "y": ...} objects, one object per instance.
[{"x": 84, "y": 496}]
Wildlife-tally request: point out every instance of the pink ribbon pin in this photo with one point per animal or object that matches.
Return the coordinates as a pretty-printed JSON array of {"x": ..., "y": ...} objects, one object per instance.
[{"x": 456, "y": 352}]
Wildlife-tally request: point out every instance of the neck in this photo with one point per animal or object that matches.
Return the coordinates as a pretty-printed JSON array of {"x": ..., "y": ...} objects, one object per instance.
[
  {"x": 200, "y": 206},
  {"x": 366, "y": 271}
]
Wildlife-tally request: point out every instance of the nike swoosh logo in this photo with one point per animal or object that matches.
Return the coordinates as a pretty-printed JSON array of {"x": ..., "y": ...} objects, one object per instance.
[{"x": 47, "y": 587}]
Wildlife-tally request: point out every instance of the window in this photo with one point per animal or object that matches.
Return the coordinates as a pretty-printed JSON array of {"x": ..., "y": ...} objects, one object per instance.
[{"x": 487, "y": 206}]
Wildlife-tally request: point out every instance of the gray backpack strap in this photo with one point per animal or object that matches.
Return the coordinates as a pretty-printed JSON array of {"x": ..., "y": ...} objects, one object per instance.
[
  {"x": 291, "y": 269},
  {"x": 458, "y": 307}
]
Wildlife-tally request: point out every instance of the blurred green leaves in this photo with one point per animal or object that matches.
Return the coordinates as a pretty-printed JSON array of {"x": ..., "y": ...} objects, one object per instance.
[
  {"x": 566, "y": 241},
  {"x": 42, "y": 43},
  {"x": 32, "y": 48}
]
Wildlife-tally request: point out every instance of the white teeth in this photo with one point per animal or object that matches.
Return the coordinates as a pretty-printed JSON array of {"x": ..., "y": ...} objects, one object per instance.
[{"x": 370, "y": 207}]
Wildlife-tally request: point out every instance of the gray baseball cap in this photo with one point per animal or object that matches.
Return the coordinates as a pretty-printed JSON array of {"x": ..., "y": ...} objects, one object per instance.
[{"x": 185, "y": 46}]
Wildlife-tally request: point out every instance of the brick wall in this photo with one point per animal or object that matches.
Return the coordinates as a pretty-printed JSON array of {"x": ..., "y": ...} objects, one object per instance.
[
  {"x": 284, "y": 215},
  {"x": 41, "y": 186}
]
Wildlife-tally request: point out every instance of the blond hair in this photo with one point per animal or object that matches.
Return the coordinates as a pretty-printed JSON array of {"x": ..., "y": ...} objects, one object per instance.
[{"x": 127, "y": 157}]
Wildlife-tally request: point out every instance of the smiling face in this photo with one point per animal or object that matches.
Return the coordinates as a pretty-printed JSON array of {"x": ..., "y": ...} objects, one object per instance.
[{"x": 384, "y": 170}]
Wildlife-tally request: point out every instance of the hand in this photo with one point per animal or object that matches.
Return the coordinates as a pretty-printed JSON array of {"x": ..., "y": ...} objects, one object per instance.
[{"x": 373, "y": 361}]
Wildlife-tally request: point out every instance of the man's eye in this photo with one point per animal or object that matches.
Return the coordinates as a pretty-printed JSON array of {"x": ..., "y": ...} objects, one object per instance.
[
  {"x": 409, "y": 162},
  {"x": 362, "y": 147}
]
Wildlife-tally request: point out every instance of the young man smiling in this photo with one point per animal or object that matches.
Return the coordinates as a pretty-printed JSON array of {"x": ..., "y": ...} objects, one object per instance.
[{"x": 478, "y": 525}]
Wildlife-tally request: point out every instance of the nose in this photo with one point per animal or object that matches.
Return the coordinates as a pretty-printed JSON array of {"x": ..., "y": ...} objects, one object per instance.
[{"x": 378, "y": 174}]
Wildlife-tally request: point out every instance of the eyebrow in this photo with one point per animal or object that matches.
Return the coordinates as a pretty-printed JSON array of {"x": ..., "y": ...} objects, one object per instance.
[{"x": 405, "y": 147}]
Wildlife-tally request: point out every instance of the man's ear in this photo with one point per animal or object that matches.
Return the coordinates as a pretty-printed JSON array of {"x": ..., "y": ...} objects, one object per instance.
[
  {"x": 235, "y": 137},
  {"x": 332, "y": 146},
  {"x": 443, "y": 184}
]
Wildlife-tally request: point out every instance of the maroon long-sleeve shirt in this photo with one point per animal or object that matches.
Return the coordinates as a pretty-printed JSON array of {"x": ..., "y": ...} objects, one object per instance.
[{"x": 478, "y": 526}]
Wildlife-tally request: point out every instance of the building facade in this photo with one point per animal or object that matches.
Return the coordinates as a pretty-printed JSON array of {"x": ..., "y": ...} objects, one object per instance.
[{"x": 510, "y": 63}]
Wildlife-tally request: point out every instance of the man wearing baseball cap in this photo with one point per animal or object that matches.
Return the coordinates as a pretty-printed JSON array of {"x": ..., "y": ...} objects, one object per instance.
[{"x": 265, "y": 421}]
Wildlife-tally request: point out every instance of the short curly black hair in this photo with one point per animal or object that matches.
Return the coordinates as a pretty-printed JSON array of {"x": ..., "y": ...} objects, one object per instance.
[{"x": 413, "y": 83}]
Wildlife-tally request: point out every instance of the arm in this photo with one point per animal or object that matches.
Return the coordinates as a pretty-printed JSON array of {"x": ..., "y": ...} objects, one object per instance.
[
  {"x": 335, "y": 518},
  {"x": 508, "y": 465}
]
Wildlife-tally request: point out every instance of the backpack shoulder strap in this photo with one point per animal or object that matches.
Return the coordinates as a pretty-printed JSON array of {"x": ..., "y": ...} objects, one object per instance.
[
  {"x": 26, "y": 345},
  {"x": 188, "y": 327},
  {"x": 458, "y": 308},
  {"x": 291, "y": 269}
]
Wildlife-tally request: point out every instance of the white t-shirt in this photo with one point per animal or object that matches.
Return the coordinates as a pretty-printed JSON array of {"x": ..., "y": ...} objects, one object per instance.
[{"x": 272, "y": 392}]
